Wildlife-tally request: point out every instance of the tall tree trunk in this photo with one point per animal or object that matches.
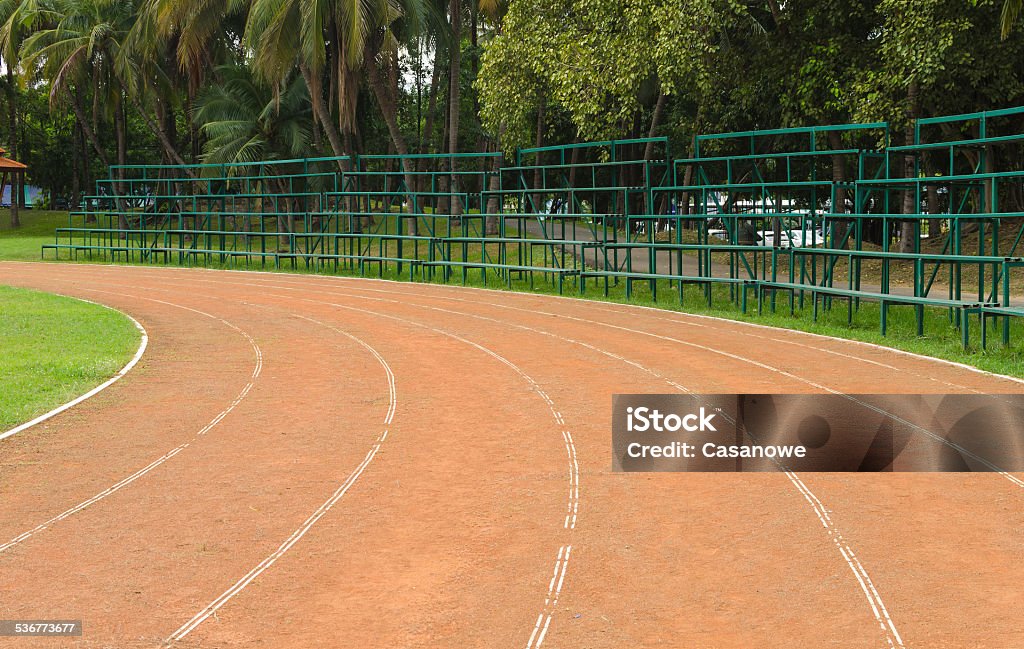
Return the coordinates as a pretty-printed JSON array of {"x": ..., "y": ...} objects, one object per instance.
[
  {"x": 170, "y": 123},
  {"x": 426, "y": 143},
  {"x": 780, "y": 26},
  {"x": 193, "y": 131},
  {"x": 96, "y": 98},
  {"x": 659, "y": 111},
  {"x": 323, "y": 114},
  {"x": 348, "y": 203},
  {"x": 494, "y": 200},
  {"x": 386, "y": 99},
  {"x": 86, "y": 169},
  {"x": 428, "y": 127},
  {"x": 87, "y": 130},
  {"x": 12, "y": 138},
  {"x": 910, "y": 206},
  {"x": 574, "y": 161},
  {"x": 76, "y": 167},
  {"x": 839, "y": 175},
  {"x": 455, "y": 9},
  {"x": 22, "y": 138},
  {"x": 15, "y": 190},
  {"x": 442, "y": 179},
  {"x": 161, "y": 135},
  {"x": 121, "y": 137},
  {"x": 12, "y": 113},
  {"x": 538, "y": 178},
  {"x": 684, "y": 208},
  {"x": 161, "y": 116},
  {"x": 474, "y": 59},
  {"x": 347, "y": 86}
]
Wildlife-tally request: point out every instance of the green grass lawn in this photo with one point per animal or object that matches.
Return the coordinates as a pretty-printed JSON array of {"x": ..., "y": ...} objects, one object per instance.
[
  {"x": 941, "y": 339},
  {"x": 53, "y": 349},
  {"x": 37, "y": 228}
]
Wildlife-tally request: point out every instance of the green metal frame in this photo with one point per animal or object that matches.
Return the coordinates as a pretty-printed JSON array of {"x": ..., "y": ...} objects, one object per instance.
[{"x": 616, "y": 212}]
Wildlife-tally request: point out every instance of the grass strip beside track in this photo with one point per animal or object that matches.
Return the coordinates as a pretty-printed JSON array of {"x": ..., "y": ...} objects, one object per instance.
[
  {"x": 941, "y": 339},
  {"x": 53, "y": 348},
  {"x": 37, "y": 227}
]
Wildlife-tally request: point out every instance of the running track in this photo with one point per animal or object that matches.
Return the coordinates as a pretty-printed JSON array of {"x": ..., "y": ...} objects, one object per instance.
[{"x": 324, "y": 462}]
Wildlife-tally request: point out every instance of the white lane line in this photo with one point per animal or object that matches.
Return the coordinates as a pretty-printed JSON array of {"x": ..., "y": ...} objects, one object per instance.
[
  {"x": 99, "y": 388},
  {"x": 225, "y": 597},
  {"x": 535, "y": 387},
  {"x": 874, "y": 600},
  {"x": 878, "y": 608},
  {"x": 353, "y": 283},
  {"x": 960, "y": 449},
  {"x": 540, "y": 629},
  {"x": 682, "y": 319},
  {"x": 574, "y": 481},
  {"x": 165, "y": 457},
  {"x": 793, "y": 343}
]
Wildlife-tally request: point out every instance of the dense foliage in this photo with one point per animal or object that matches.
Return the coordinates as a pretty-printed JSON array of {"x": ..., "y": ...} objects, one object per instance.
[{"x": 93, "y": 83}]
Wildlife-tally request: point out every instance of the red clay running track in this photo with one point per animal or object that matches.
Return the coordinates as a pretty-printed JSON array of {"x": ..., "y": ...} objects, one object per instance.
[{"x": 326, "y": 462}]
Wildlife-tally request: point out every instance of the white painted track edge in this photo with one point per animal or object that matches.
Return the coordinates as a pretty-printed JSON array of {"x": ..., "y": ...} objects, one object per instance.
[{"x": 143, "y": 344}]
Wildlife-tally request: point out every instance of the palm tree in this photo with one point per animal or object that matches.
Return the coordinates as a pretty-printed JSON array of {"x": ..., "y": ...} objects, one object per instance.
[
  {"x": 203, "y": 32},
  {"x": 79, "y": 44},
  {"x": 247, "y": 120},
  {"x": 343, "y": 40},
  {"x": 71, "y": 44},
  {"x": 320, "y": 37},
  {"x": 454, "y": 79},
  {"x": 1011, "y": 11}
]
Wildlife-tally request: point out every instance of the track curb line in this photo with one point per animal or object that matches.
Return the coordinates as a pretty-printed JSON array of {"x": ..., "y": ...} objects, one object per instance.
[{"x": 144, "y": 343}]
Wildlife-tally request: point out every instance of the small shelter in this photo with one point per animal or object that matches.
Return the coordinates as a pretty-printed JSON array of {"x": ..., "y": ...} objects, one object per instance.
[{"x": 15, "y": 171}]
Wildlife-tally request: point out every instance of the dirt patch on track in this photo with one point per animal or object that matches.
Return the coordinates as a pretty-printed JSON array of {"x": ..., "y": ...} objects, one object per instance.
[{"x": 458, "y": 532}]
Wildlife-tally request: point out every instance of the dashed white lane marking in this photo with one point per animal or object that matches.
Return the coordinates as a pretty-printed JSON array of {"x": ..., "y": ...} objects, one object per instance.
[
  {"x": 170, "y": 454},
  {"x": 99, "y": 388},
  {"x": 573, "y": 506},
  {"x": 319, "y": 513},
  {"x": 599, "y": 306},
  {"x": 878, "y": 607},
  {"x": 540, "y": 630},
  {"x": 625, "y": 309},
  {"x": 960, "y": 449},
  {"x": 881, "y": 614},
  {"x": 874, "y": 599}
]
